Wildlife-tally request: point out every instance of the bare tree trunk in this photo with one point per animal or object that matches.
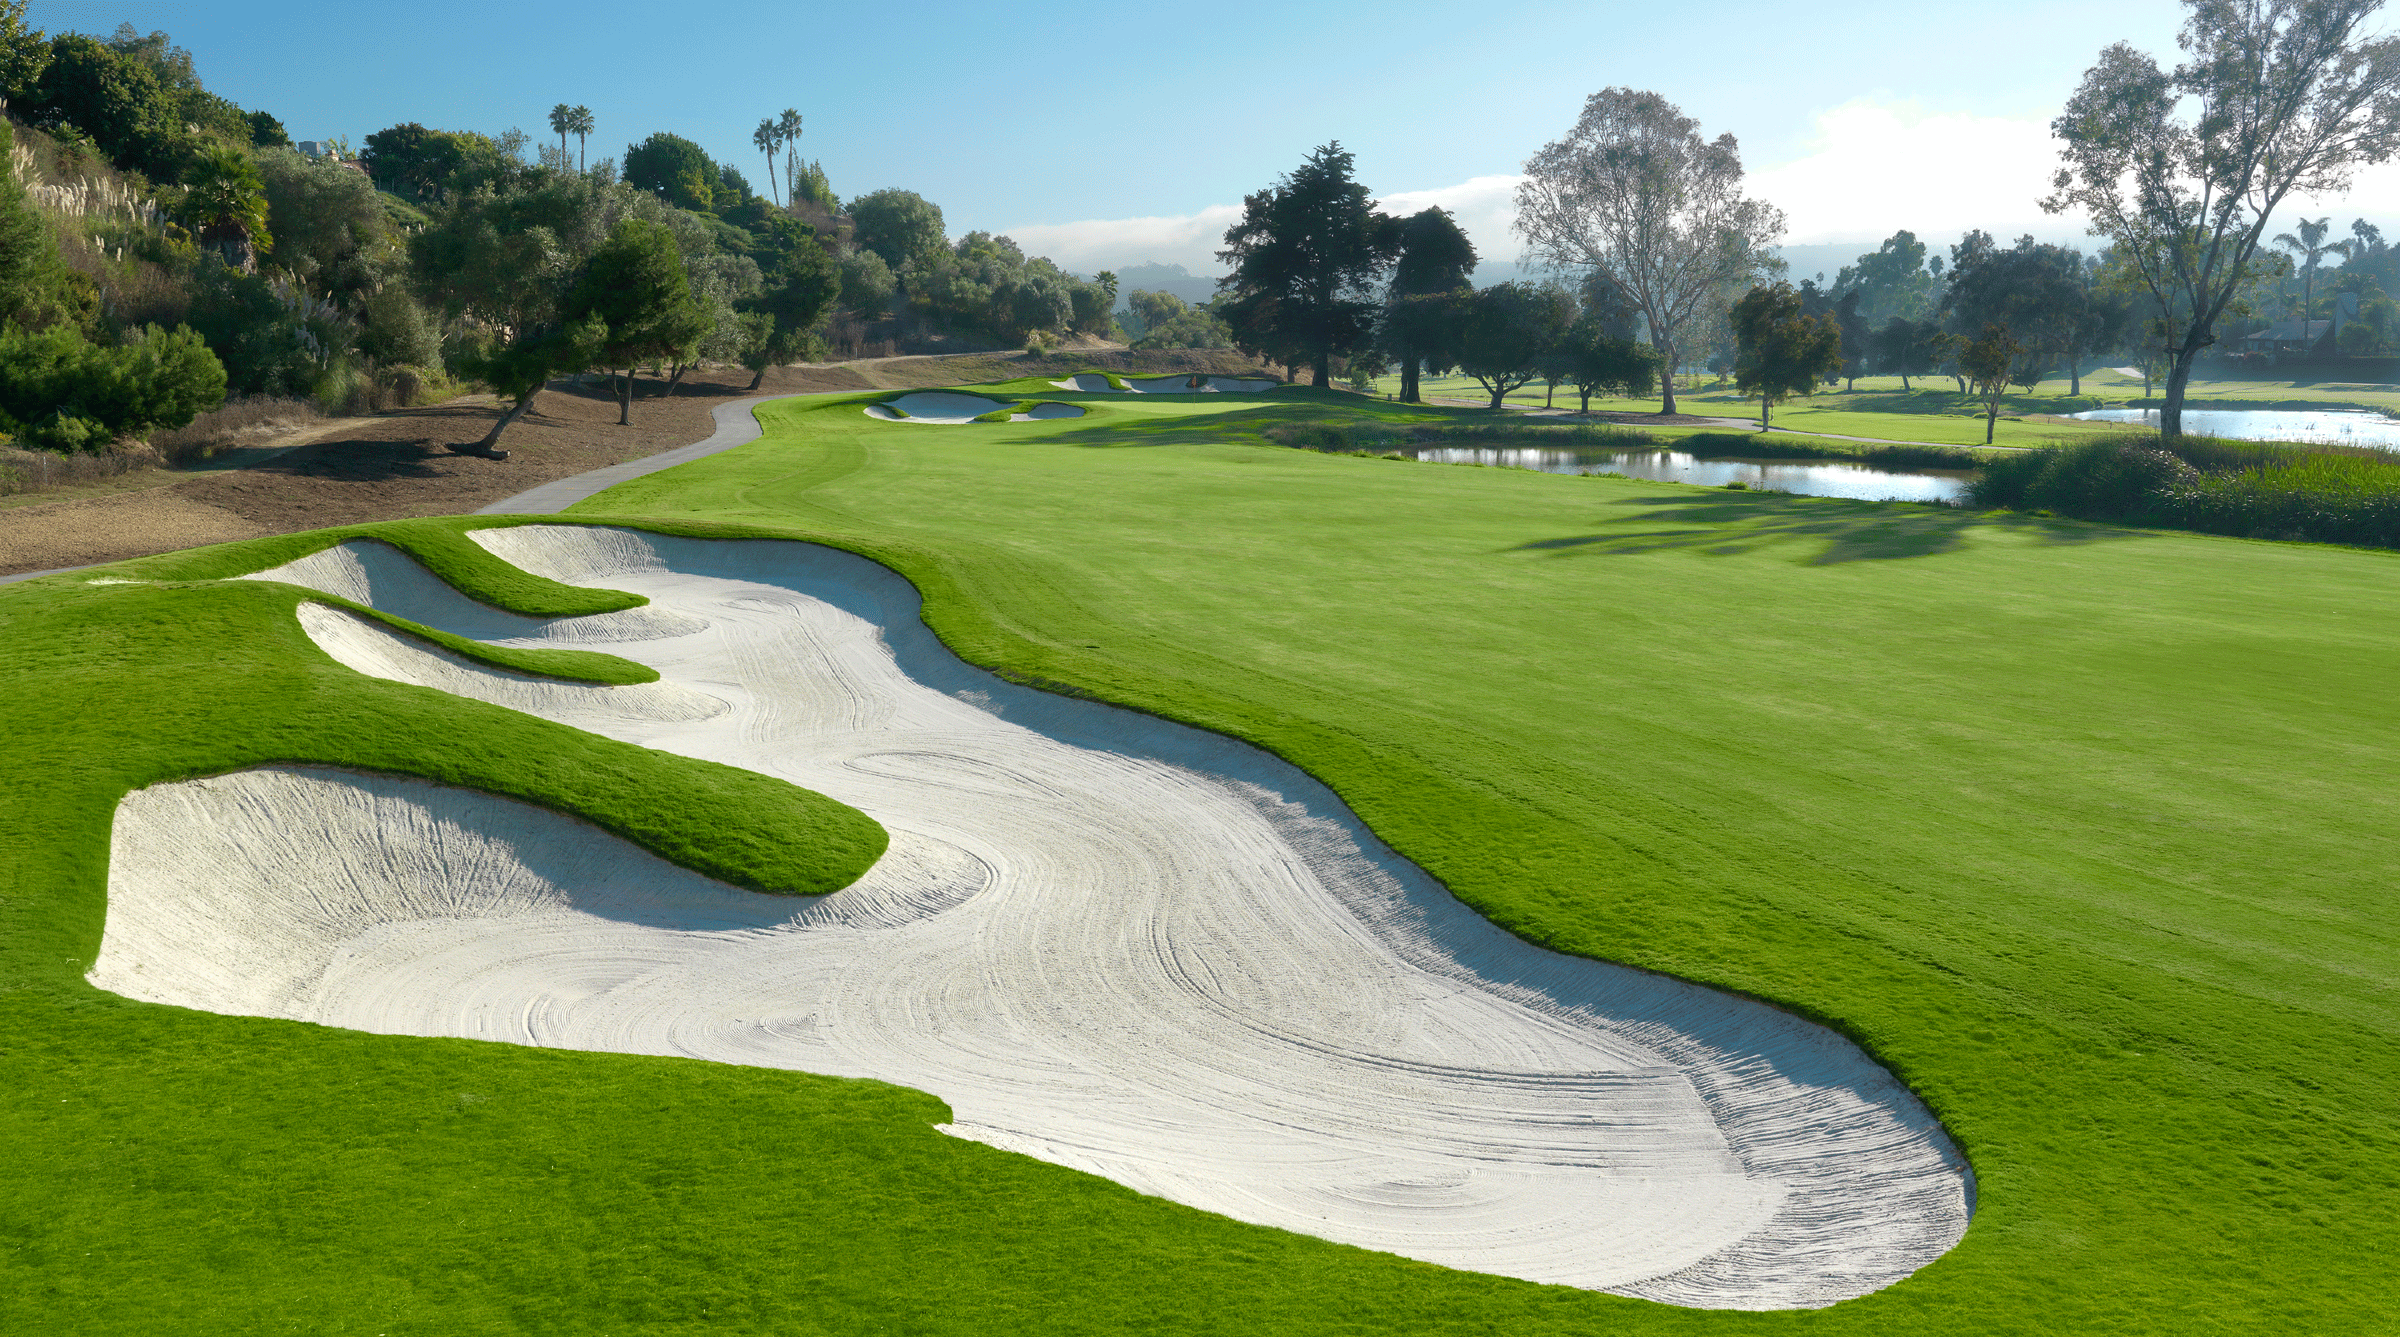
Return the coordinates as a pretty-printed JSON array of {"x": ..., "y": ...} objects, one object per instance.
[
  {"x": 680, "y": 369},
  {"x": 1991, "y": 420},
  {"x": 1323, "y": 379},
  {"x": 1666, "y": 375},
  {"x": 625, "y": 399},
  {"x": 1763, "y": 405},
  {"x": 1410, "y": 374},
  {"x": 492, "y": 437},
  {"x": 2170, "y": 413},
  {"x": 2075, "y": 377},
  {"x": 1549, "y": 392},
  {"x": 762, "y": 375}
]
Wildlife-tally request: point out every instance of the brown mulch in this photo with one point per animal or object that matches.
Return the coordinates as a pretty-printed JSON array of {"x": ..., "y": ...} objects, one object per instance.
[{"x": 398, "y": 465}]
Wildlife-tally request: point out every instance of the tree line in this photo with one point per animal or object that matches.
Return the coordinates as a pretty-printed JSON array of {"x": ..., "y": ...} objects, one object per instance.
[
  {"x": 1647, "y": 222},
  {"x": 145, "y": 220}
]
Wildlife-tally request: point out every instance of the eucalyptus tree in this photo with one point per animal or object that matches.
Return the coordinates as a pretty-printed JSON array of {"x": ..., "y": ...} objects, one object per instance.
[
  {"x": 1634, "y": 193},
  {"x": 1306, "y": 255},
  {"x": 2291, "y": 98}
]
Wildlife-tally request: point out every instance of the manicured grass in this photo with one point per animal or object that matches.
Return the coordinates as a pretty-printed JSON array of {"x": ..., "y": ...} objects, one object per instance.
[{"x": 2085, "y": 831}]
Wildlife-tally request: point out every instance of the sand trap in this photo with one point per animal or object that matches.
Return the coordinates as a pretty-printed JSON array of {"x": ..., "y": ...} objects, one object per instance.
[
  {"x": 1139, "y": 950},
  {"x": 1168, "y": 385},
  {"x": 945, "y": 409}
]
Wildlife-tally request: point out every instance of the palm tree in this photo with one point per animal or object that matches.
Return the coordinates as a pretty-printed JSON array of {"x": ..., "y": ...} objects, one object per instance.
[
  {"x": 768, "y": 139},
  {"x": 2310, "y": 243},
  {"x": 562, "y": 120},
  {"x": 787, "y": 129},
  {"x": 582, "y": 125},
  {"x": 226, "y": 204}
]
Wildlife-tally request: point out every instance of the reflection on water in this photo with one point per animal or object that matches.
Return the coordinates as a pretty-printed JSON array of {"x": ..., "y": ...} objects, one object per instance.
[
  {"x": 1813, "y": 478},
  {"x": 2316, "y": 425}
]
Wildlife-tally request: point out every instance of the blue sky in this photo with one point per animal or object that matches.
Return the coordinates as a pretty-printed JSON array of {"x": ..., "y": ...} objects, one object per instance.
[{"x": 1108, "y": 141}]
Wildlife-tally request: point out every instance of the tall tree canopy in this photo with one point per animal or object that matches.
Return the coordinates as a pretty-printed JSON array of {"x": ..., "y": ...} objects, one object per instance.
[
  {"x": 1891, "y": 280},
  {"x": 899, "y": 225},
  {"x": 1306, "y": 257},
  {"x": 1420, "y": 319},
  {"x": 674, "y": 168},
  {"x": 800, "y": 283},
  {"x": 2292, "y": 98},
  {"x": 636, "y": 286},
  {"x": 1508, "y": 331},
  {"x": 1634, "y": 193},
  {"x": 1781, "y": 349}
]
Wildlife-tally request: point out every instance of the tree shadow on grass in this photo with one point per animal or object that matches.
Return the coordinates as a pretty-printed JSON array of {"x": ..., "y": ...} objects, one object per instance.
[{"x": 1731, "y": 524}]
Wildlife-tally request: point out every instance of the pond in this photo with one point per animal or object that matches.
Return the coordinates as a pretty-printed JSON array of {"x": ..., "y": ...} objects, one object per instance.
[
  {"x": 1813, "y": 478},
  {"x": 2337, "y": 427}
]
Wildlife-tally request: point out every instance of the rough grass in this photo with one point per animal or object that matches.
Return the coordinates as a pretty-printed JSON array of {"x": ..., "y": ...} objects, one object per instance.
[
  {"x": 239, "y": 422},
  {"x": 2259, "y": 489},
  {"x": 2086, "y": 831}
]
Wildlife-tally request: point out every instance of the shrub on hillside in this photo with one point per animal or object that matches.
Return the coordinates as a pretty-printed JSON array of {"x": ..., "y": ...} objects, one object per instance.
[{"x": 59, "y": 391}]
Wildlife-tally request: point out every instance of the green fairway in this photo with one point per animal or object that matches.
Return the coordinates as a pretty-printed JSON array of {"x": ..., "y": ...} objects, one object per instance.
[{"x": 2086, "y": 832}]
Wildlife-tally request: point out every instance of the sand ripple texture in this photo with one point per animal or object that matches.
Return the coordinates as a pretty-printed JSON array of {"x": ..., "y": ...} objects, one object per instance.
[{"x": 1139, "y": 950}]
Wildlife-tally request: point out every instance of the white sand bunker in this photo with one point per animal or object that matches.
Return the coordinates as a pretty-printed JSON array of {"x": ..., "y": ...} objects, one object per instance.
[
  {"x": 1143, "y": 951},
  {"x": 943, "y": 408},
  {"x": 1169, "y": 385}
]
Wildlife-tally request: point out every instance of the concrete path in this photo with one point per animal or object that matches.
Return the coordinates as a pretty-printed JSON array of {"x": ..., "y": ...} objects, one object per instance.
[{"x": 737, "y": 425}]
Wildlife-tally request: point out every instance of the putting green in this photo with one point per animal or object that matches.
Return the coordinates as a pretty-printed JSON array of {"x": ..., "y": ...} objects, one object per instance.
[{"x": 2085, "y": 832}]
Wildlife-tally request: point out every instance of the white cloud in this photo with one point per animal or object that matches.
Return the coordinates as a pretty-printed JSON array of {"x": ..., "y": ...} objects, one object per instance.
[
  {"x": 1875, "y": 167},
  {"x": 1871, "y": 169},
  {"x": 1484, "y": 206},
  {"x": 1087, "y": 247}
]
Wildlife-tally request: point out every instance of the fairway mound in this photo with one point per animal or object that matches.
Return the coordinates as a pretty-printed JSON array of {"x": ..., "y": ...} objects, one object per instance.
[
  {"x": 1140, "y": 950},
  {"x": 1169, "y": 385},
  {"x": 947, "y": 409}
]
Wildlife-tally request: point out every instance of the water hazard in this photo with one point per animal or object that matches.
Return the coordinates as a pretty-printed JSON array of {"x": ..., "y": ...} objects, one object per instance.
[
  {"x": 1813, "y": 478},
  {"x": 2335, "y": 427}
]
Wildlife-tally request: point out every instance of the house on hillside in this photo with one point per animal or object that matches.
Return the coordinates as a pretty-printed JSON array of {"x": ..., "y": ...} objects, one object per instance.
[{"x": 2299, "y": 338}]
